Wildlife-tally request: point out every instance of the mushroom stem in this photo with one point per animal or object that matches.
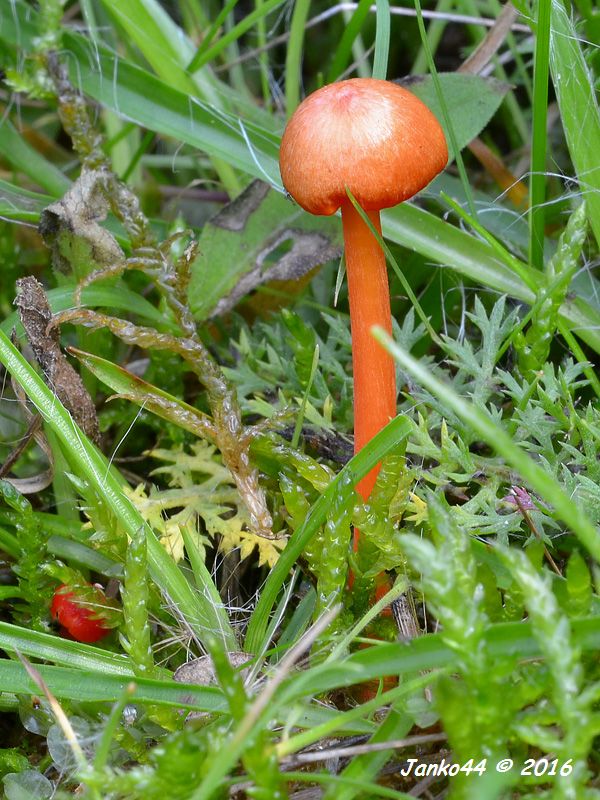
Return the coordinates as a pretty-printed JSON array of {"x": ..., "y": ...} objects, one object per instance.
[{"x": 369, "y": 297}]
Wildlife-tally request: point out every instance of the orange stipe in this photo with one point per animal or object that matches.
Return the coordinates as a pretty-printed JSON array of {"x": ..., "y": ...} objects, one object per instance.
[{"x": 373, "y": 367}]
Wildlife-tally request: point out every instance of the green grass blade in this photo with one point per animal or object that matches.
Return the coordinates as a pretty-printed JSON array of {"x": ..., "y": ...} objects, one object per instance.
[
  {"x": 24, "y": 158},
  {"x": 164, "y": 405},
  {"x": 343, "y": 51},
  {"x": 445, "y": 112},
  {"x": 92, "y": 687},
  {"x": 293, "y": 58},
  {"x": 513, "y": 263},
  {"x": 238, "y": 30},
  {"x": 497, "y": 438},
  {"x": 202, "y": 576},
  {"x": 578, "y": 104},
  {"x": 425, "y": 653},
  {"x": 537, "y": 181},
  {"x": 78, "y": 553},
  {"x": 210, "y": 34},
  {"x": 382, "y": 40},
  {"x": 395, "y": 266},
  {"x": 63, "y": 652},
  {"x": 263, "y": 58},
  {"x": 368, "y": 765},
  {"x": 428, "y": 652},
  {"x": 20, "y": 204},
  {"x": 336, "y": 722},
  {"x": 435, "y": 31}
]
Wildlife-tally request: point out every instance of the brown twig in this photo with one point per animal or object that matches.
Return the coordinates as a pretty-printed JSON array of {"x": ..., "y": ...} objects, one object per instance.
[
  {"x": 492, "y": 42},
  {"x": 44, "y": 338},
  {"x": 361, "y": 749}
]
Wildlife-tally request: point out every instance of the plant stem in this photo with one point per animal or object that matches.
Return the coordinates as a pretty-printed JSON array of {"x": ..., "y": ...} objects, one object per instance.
[
  {"x": 369, "y": 296},
  {"x": 537, "y": 182}
]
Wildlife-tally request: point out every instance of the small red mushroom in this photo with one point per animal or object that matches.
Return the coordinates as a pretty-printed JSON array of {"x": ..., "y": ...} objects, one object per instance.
[
  {"x": 79, "y": 617},
  {"x": 383, "y": 144}
]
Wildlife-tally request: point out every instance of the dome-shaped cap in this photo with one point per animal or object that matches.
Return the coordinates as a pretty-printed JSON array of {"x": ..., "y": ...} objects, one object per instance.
[{"x": 369, "y": 135}]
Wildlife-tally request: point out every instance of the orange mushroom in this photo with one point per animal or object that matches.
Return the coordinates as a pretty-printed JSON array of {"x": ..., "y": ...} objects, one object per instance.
[{"x": 383, "y": 144}]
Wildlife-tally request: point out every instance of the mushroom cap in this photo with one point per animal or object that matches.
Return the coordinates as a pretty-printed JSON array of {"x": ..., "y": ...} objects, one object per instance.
[{"x": 369, "y": 135}]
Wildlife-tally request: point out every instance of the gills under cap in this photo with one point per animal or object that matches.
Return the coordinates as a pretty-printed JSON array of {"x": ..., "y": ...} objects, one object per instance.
[{"x": 369, "y": 135}]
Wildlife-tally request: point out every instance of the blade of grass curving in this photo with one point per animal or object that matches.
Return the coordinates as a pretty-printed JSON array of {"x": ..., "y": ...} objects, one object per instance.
[
  {"x": 447, "y": 245},
  {"x": 150, "y": 397},
  {"x": 202, "y": 616},
  {"x": 425, "y": 653},
  {"x": 87, "y": 686},
  {"x": 78, "y": 553},
  {"x": 89, "y": 15},
  {"x": 578, "y": 104},
  {"x": 428, "y": 652},
  {"x": 238, "y": 30},
  {"x": 497, "y": 438},
  {"x": 161, "y": 41},
  {"x": 20, "y": 204},
  {"x": 26, "y": 159},
  {"x": 63, "y": 652},
  {"x": 537, "y": 180},
  {"x": 293, "y": 58},
  {"x": 343, "y": 51},
  {"x": 137, "y": 156},
  {"x": 263, "y": 57},
  {"x": 435, "y": 31},
  {"x": 295, "y": 626},
  {"x": 202, "y": 576},
  {"x": 302, "y": 410},
  {"x": 386, "y": 440},
  {"x": 400, "y": 587},
  {"x": 382, "y": 40},
  {"x": 511, "y": 261},
  {"x": 110, "y": 727},
  {"x": 210, "y": 34},
  {"x": 64, "y": 493},
  {"x": 445, "y": 113}
]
